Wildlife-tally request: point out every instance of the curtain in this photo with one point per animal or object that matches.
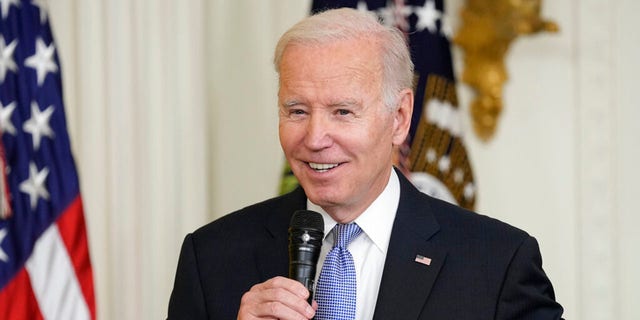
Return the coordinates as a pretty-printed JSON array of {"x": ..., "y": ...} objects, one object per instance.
[{"x": 153, "y": 122}]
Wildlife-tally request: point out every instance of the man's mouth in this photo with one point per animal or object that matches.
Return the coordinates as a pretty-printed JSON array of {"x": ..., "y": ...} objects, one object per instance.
[{"x": 322, "y": 167}]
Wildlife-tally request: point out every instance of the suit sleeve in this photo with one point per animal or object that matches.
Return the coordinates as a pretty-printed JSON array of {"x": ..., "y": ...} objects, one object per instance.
[
  {"x": 187, "y": 298},
  {"x": 527, "y": 293}
]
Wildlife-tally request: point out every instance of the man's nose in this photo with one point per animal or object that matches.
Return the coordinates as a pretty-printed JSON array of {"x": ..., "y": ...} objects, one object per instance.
[{"x": 319, "y": 132}]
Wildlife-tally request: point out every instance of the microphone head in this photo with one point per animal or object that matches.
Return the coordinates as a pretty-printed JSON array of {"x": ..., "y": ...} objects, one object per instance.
[
  {"x": 307, "y": 219},
  {"x": 306, "y": 229}
]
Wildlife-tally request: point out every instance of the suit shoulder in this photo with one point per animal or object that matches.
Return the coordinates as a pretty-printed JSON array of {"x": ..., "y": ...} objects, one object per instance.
[
  {"x": 254, "y": 216},
  {"x": 453, "y": 220},
  {"x": 474, "y": 224}
]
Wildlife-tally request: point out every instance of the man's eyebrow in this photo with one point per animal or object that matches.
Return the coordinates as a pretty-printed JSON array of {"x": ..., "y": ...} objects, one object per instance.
[
  {"x": 344, "y": 103},
  {"x": 291, "y": 103},
  {"x": 340, "y": 103}
]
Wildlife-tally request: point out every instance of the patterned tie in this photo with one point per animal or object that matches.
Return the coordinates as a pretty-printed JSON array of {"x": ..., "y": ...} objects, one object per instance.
[{"x": 336, "y": 290}]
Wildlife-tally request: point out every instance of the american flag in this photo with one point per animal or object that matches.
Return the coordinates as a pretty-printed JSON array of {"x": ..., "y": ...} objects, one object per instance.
[
  {"x": 423, "y": 260},
  {"x": 434, "y": 157},
  {"x": 45, "y": 270}
]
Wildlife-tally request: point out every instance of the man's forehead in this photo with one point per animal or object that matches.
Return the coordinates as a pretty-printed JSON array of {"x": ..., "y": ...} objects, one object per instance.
[
  {"x": 327, "y": 68},
  {"x": 352, "y": 49}
]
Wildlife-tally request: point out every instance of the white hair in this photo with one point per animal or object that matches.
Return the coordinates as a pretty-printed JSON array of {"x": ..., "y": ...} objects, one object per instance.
[{"x": 348, "y": 24}]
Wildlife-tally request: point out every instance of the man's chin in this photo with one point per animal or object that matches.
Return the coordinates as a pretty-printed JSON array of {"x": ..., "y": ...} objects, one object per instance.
[{"x": 323, "y": 199}]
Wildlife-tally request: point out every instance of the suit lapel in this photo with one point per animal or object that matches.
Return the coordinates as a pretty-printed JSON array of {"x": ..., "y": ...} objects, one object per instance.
[
  {"x": 406, "y": 283},
  {"x": 272, "y": 255}
]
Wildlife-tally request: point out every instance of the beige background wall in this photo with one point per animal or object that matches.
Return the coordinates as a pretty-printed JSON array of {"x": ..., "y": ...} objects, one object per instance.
[{"x": 172, "y": 113}]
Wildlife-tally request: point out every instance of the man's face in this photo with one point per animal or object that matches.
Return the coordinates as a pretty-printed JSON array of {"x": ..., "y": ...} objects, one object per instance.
[{"x": 334, "y": 129}]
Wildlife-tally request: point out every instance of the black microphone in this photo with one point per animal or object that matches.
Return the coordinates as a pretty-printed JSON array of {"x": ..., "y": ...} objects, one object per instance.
[{"x": 306, "y": 232}]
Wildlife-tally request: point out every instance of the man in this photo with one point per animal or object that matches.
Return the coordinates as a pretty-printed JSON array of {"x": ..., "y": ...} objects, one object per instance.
[{"x": 345, "y": 103}]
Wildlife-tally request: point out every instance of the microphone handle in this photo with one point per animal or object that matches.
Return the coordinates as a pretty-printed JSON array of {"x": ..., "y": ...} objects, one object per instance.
[{"x": 303, "y": 271}]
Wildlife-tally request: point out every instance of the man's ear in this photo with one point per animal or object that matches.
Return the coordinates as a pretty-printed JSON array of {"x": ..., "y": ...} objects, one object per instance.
[{"x": 402, "y": 117}]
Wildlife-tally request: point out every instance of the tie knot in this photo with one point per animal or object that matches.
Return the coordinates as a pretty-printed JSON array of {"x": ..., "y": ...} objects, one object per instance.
[{"x": 345, "y": 233}]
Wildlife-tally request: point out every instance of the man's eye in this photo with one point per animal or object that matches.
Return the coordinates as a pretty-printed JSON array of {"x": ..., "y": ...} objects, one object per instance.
[
  {"x": 343, "y": 112},
  {"x": 297, "y": 112}
]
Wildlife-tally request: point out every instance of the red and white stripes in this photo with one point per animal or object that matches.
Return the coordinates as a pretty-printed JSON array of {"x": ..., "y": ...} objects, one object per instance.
[{"x": 56, "y": 281}]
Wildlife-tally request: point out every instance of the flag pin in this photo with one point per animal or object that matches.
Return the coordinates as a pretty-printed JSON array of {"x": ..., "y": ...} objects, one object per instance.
[{"x": 424, "y": 260}]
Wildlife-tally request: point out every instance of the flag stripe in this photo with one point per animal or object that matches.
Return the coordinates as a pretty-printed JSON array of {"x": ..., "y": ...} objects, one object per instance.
[
  {"x": 71, "y": 226},
  {"x": 59, "y": 296},
  {"x": 17, "y": 300}
]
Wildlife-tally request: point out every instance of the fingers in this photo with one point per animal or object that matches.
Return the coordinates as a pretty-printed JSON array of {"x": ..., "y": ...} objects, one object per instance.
[{"x": 277, "y": 298}]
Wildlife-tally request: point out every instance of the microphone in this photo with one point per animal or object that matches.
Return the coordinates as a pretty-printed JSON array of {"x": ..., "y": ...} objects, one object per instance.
[{"x": 306, "y": 232}]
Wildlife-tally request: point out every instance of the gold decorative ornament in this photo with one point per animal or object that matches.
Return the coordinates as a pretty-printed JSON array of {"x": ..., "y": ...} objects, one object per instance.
[{"x": 488, "y": 27}]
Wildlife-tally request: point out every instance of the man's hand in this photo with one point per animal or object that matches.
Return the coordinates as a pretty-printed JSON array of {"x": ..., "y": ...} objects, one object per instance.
[{"x": 277, "y": 298}]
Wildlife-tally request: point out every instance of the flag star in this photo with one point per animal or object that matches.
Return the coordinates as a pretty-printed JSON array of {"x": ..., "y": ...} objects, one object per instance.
[
  {"x": 4, "y": 6},
  {"x": 362, "y": 6},
  {"x": 5, "y": 118},
  {"x": 3, "y": 255},
  {"x": 458, "y": 176},
  {"x": 42, "y": 60},
  {"x": 42, "y": 5},
  {"x": 38, "y": 124},
  {"x": 445, "y": 27},
  {"x": 404, "y": 12},
  {"x": 431, "y": 155},
  {"x": 6, "y": 57},
  {"x": 427, "y": 16},
  {"x": 469, "y": 191},
  {"x": 444, "y": 164},
  {"x": 387, "y": 15},
  {"x": 34, "y": 185}
]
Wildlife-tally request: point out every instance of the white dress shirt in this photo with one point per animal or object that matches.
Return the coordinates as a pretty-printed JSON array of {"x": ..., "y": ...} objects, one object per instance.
[{"x": 369, "y": 250}]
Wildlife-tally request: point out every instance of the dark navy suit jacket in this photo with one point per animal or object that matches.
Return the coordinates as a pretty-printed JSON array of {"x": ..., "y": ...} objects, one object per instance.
[{"x": 480, "y": 267}]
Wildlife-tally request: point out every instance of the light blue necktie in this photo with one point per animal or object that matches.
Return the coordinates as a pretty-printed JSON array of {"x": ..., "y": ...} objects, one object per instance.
[{"x": 336, "y": 289}]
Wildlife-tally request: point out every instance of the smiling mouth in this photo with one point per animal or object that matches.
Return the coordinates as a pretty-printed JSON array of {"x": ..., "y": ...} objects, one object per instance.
[{"x": 322, "y": 167}]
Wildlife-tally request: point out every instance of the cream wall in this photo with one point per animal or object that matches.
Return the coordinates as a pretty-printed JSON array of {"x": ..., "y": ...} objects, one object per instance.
[
  {"x": 527, "y": 174},
  {"x": 172, "y": 113},
  {"x": 563, "y": 163}
]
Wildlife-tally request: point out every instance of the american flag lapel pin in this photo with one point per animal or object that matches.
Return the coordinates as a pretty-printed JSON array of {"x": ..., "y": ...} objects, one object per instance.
[{"x": 424, "y": 260}]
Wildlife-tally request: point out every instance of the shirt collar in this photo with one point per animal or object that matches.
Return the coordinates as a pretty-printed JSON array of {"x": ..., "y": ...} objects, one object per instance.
[{"x": 377, "y": 220}]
